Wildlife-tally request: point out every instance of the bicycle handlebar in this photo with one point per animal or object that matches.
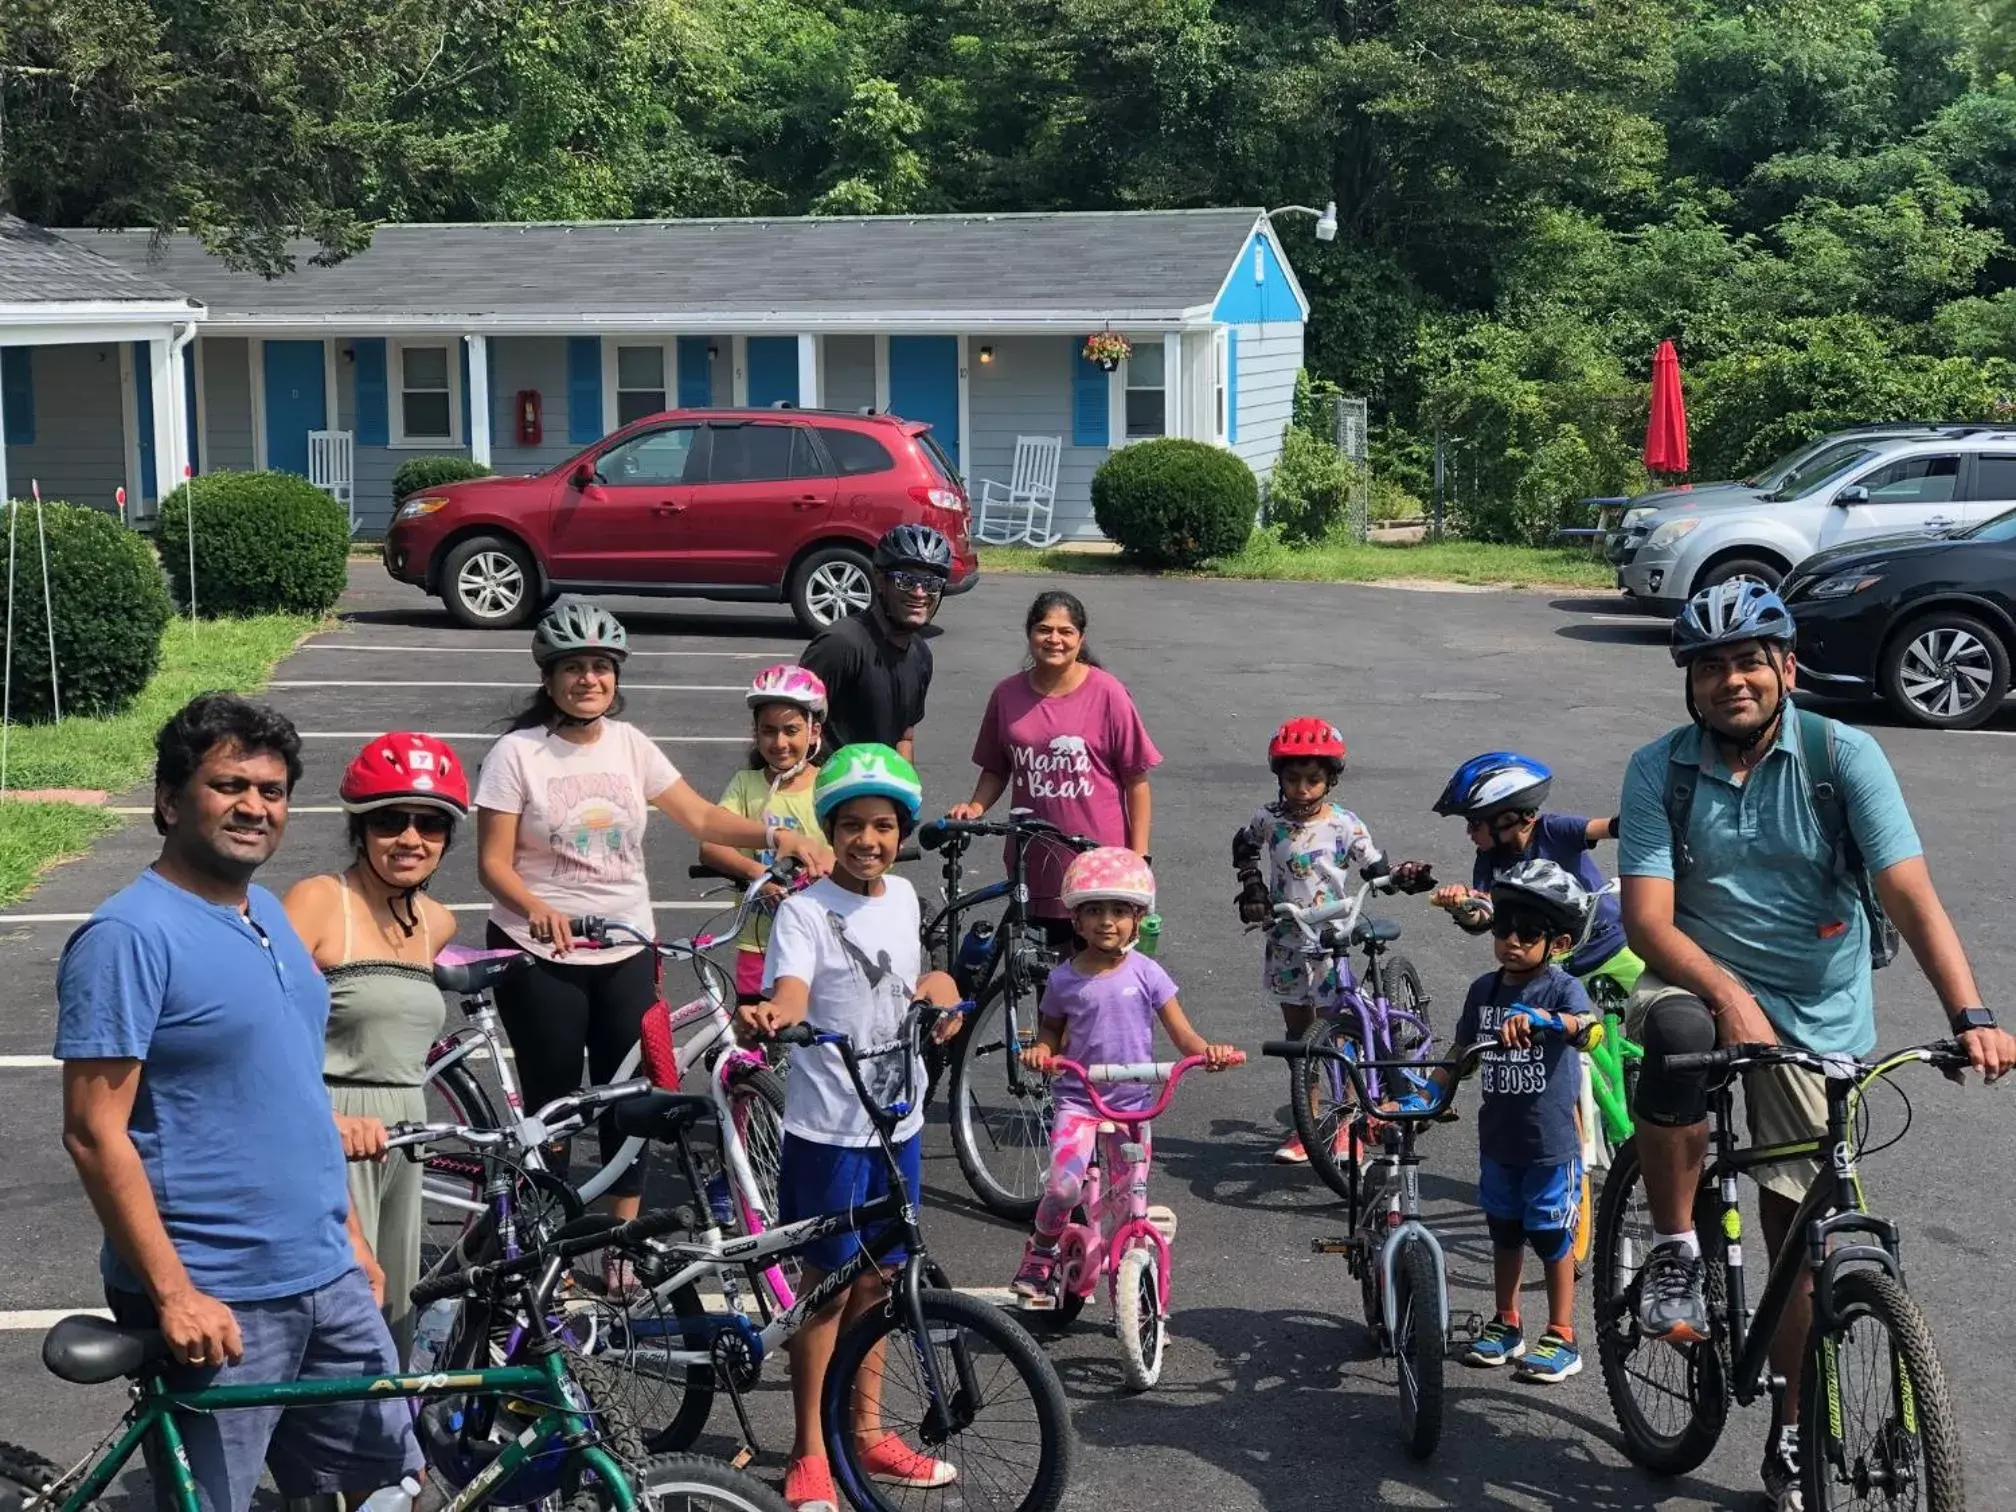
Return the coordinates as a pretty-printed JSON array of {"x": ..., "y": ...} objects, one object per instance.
[
  {"x": 1167, "y": 1073},
  {"x": 645, "y": 1226},
  {"x": 934, "y": 834},
  {"x": 905, "y": 1044},
  {"x": 553, "y": 1118},
  {"x": 1944, "y": 1054}
]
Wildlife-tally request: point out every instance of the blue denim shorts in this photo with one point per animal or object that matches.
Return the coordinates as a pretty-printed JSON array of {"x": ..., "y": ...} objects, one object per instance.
[
  {"x": 814, "y": 1179},
  {"x": 336, "y": 1330}
]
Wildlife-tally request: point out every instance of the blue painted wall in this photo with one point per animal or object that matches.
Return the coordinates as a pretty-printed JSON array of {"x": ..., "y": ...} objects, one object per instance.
[{"x": 1248, "y": 300}]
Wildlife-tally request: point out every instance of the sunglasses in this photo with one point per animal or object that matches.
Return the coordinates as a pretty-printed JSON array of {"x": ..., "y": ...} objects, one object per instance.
[
  {"x": 1496, "y": 824},
  {"x": 1525, "y": 928},
  {"x": 389, "y": 824},
  {"x": 925, "y": 583}
]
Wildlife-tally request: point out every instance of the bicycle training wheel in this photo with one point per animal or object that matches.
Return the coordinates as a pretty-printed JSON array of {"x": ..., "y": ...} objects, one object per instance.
[
  {"x": 1325, "y": 1107},
  {"x": 1137, "y": 1309},
  {"x": 1000, "y": 1128},
  {"x": 1671, "y": 1400},
  {"x": 1007, "y": 1430},
  {"x": 1879, "y": 1382},
  {"x": 1418, "y": 1346},
  {"x": 686, "y": 1483}
]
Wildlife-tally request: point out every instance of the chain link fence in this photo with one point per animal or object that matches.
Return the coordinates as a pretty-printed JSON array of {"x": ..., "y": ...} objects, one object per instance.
[{"x": 1348, "y": 424}]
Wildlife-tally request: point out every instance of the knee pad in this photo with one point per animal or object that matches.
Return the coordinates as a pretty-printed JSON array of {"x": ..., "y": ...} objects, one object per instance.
[
  {"x": 1551, "y": 1245},
  {"x": 1506, "y": 1233},
  {"x": 1673, "y": 1026}
]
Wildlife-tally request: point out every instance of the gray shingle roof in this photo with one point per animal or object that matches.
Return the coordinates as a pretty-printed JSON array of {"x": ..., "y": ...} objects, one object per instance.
[
  {"x": 41, "y": 267},
  {"x": 1142, "y": 263}
]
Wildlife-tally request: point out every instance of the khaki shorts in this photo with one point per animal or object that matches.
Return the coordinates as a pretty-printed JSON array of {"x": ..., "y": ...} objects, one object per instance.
[{"x": 1782, "y": 1105}]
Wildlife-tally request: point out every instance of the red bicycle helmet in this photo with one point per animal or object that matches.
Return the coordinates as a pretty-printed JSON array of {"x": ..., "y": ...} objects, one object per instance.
[
  {"x": 404, "y": 767},
  {"x": 1307, "y": 739}
]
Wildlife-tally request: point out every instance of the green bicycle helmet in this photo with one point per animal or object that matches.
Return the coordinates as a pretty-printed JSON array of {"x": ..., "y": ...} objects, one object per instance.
[
  {"x": 573, "y": 626},
  {"x": 868, "y": 770}
]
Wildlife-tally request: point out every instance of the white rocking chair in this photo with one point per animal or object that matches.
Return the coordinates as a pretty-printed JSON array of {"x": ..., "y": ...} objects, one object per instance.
[{"x": 1020, "y": 510}]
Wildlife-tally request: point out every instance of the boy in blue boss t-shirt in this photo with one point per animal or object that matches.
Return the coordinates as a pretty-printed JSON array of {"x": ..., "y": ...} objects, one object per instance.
[{"x": 1528, "y": 1142}]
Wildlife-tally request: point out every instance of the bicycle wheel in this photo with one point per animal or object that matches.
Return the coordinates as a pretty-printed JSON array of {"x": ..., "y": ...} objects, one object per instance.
[
  {"x": 452, "y": 1180},
  {"x": 1009, "y": 1434},
  {"x": 756, "y": 1103},
  {"x": 1405, "y": 994},
  {"x": 692, "y": 1483},
  {"x": 633, "y": 1344},
  {"x": 1325, "y": 1109},
  {"x": 1137, "y": 1317},
  {"x": 1418, "y": 1346},
  {"x": 1876, "y": 1423},
  {"x": 24, "y": 1477},
  {"x": 1000, "y": 1134},
  {"x": 1671, "y": 1401}
]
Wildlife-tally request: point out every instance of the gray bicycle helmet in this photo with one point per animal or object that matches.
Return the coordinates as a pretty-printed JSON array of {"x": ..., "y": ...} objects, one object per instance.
[
  {"x": 1741, "y": 609},
  {"x": 1544, "y": 888},
  {"x": 917, "y": 547},
  {"x": 573, "y": 626}
]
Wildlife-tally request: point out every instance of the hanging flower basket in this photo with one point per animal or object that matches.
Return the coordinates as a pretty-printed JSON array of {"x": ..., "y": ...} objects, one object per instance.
[{"x": 1107, "y": 348}]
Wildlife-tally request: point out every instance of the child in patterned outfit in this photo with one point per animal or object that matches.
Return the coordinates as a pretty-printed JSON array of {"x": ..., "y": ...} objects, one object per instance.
[{"x": 1300, "y": 849}]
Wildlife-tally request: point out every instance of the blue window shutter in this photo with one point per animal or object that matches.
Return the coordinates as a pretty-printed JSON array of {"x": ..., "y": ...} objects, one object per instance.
[
  {"x": 584, "y": 389},
  {"x": 1089, "y": 426},
  {"x": 1232, "y": 387},
  {"x": 696, "y": 373},
  {"x": 17, "y": 387},
  {"x": 373, "y": 426},
  {"x": 463, "y": 347},
  {"x": 143, "y": 414}
]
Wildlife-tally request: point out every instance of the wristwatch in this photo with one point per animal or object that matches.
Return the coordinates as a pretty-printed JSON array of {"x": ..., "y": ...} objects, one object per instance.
[{"x": 1972, "y": 1018}]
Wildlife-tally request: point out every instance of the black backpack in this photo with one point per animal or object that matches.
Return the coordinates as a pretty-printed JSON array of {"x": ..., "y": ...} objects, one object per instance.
[{"x": 1816, "y": 755}]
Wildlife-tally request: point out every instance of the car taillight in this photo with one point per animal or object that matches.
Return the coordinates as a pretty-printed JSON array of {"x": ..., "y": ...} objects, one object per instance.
[{"x": 941, "y": 498}]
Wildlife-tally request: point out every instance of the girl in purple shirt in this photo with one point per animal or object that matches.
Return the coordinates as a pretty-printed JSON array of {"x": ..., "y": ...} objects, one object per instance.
[{"x": 1100, "y": 1008}]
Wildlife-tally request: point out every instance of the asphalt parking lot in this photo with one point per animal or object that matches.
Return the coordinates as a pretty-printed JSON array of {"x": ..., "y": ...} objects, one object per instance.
[{"x": 1272, "y": 1397}]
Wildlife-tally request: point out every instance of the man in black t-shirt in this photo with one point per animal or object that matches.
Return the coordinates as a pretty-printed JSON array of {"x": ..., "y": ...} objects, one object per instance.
[{"x": 876, "y": 669}]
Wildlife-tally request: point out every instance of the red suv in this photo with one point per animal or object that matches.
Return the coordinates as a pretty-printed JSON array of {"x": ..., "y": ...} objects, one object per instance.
[{"x": 771, "y": 506}]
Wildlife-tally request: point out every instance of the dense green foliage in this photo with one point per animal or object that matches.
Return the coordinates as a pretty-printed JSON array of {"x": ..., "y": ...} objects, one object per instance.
[
  {"x": 266, "y": 543},
  {"x": 1814, "y": 198},
  {"x": 416, "y": 473},
  {"x": 1175, "y": 503},
  {"x": 110, "y": 605},
  {"x": 1309, "y": 490}
]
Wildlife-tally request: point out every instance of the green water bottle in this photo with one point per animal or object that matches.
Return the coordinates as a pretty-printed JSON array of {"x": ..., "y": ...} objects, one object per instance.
[{"x": 1149, "y": 939}]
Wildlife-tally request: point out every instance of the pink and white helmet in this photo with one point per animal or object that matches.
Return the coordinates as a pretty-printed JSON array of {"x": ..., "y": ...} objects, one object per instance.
[
  {"x": 1111, "y": 873},
  {"x": 788, "y": 685}
]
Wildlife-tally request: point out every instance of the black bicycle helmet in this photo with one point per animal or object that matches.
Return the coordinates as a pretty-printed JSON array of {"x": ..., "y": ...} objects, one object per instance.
[
  {"x": 1497, "y": 782},
  {"x": 1543, "y": 888},
  {"x": 918, "y": 548},
  {"x": 1727, "y": 614}
]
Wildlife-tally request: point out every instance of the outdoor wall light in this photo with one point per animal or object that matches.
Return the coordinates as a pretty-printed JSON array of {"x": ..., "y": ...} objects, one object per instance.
[
  {"x": 986, "y": 355},
  {"x": 713, "y": 351}
]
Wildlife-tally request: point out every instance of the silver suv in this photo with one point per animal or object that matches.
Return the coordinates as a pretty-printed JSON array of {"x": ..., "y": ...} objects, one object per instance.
[{"x": 1856, "y": 486}]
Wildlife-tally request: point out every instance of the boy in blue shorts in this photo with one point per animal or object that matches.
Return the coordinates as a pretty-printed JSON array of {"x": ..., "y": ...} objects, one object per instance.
[
  {"x": 1529, "y": 1148},
  {"x": 845, "y": 956}
]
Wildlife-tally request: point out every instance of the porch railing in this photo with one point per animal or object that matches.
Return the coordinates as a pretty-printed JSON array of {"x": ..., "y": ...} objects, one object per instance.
[{"x": 332, "y": 462}]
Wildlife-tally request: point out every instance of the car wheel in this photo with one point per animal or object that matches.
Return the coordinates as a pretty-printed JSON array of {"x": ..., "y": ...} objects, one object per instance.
[
  {"x": 1947, "y": 670},
  {"x": 1756, "y": 570},
  {"x": 488, "y": 583},
  {"x": 830, "y": 585}
]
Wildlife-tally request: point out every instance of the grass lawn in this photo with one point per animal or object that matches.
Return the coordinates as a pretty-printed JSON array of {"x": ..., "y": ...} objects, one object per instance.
[
  {"x": 1432, "y": 561},
  {"x": 113, "y": 754}
]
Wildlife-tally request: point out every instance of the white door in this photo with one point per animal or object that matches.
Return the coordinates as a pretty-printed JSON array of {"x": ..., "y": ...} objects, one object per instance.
[{"x": 1912, "y": 493}]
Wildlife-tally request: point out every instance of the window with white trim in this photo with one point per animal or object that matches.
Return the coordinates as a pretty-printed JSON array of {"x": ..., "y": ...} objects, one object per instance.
[
  {"x": 642, "y": 382},
  {"x": 1220, "y": 367},
  {"x": 1146, "y": 374},
  {"x": 427, "y": 391}
]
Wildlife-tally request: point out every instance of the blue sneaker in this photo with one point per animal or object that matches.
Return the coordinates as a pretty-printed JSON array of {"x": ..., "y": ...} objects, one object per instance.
[
  {"x": 1552, "y": 1359},
  {"x": 1498, "y": 1343}
]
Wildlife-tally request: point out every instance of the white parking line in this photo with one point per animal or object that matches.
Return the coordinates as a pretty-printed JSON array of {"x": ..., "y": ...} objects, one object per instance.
[
  {"x": 42, "y": 1319},
  {"x": 79, "y": 918},
  {"x": 27, "y": 1062},
  {"x": 1649, "y": 621},
  {"x": 786, "y": 653},
  {"x": 488, "y": 735}
]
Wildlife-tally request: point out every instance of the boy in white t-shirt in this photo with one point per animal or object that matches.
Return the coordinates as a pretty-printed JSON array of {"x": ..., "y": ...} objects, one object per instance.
[{"x": 867, "y": 800}]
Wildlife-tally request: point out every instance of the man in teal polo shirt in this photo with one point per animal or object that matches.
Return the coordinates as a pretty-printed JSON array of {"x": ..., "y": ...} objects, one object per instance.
[{"x": 1760, "y": 939}]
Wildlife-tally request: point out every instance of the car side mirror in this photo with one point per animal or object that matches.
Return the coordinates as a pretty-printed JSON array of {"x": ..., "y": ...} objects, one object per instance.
[
  {"x": 1855, "y": 494},
  {"x": 585, "y": 476}
]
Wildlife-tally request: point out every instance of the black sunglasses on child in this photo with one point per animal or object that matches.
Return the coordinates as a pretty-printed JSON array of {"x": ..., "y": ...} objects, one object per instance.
[
  {"x": 1522, "y": 927},
  {"x": 390, "y": 823}
]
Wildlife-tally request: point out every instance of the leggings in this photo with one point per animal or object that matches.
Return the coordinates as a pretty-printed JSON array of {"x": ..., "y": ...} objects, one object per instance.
[
  {"x": 554, "y": 1010},
  {"x": 1071, "y": 1138}
]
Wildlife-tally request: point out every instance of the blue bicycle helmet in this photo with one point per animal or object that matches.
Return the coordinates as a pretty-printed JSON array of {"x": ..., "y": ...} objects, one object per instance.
[
  {"x": 1495, "y": 783},
  {"x": 1741, "y": 609}
]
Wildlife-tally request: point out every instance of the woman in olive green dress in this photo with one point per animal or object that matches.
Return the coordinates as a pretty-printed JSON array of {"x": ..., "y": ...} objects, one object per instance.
[{"x": 375, "y": 933}]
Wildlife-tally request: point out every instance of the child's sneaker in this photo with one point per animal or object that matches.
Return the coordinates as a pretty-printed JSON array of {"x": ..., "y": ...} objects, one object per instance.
[
  {"x": 1552, "y": 1359},
  {"x": 808, "y": 1486},
  {"x": 1291, "y": 1152},
  {"x": 891, "y": 1462},
  {"x": 1038, "y": 1273},
  {"x": 1499, "y": 1343}
]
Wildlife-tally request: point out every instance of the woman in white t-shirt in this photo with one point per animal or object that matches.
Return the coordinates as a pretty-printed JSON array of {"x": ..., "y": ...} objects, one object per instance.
[{"x": 561, "y": 806}]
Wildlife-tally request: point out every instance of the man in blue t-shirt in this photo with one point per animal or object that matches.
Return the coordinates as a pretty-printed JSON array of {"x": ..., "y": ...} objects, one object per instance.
[
  {"x": 1760, "y": 936},
  {"x": 190, "y": 1028}
]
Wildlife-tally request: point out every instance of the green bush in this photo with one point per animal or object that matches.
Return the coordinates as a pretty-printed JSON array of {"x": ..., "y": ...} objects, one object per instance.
[
  {"x": 1309, "y": 492},
  {"x": 1392, "y": 501},
  {"x": 1311, "y": 405},
  {"x": 266, "y": 543},
  {"x": 1171, "y": 503},
  {"x": 110, "y": 609},
  {"x": 1549, "y": 493},
  {"x": 416, "y": 473}
]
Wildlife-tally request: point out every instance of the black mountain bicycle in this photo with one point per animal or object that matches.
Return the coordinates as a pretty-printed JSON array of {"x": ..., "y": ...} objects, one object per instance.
[{"x": 1876, "y": 1425}]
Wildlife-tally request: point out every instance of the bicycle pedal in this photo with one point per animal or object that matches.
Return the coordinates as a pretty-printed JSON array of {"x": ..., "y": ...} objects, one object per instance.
[
  {"x": 1043, "y": 1304},
  {"x": 743, "y": 1458},
  {"x": 1163, "y": 1221},
  {"x": 1330, "y": 1246}
]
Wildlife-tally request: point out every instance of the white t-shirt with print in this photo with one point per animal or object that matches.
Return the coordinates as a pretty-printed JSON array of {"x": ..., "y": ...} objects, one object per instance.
[
  {"x": 581, "y": 814},
  {"x": 819, "y": 1099}
]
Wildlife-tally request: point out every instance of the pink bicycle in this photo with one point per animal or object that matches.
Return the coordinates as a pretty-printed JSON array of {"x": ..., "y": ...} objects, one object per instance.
[{"x": 1134, "y": 1258}]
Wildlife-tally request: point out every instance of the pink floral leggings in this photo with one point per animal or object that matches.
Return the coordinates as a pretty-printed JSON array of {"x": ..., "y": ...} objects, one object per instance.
[{"x": 1071, "y": 1138}]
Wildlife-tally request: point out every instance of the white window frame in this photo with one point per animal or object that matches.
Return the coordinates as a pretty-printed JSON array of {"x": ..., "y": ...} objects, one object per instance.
[
  {"x": 610, "y": 372},
  {"x": 395, "y": 358},
  {"x": 1126, "y": 383}
]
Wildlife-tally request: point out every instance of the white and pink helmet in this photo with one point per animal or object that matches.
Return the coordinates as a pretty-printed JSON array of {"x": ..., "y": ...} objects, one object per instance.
[
  {"x": 1111, "y": 873},
  {"x": 788, "y": 684}
]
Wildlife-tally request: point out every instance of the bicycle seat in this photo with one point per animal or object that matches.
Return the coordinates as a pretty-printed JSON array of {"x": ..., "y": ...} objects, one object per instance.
[
  {"x": 466, "y": 972},
  {"x": 1380, "y": 931},
  {"x": 88, "y": 1351},
  {"x": 661, "y": 1115}
]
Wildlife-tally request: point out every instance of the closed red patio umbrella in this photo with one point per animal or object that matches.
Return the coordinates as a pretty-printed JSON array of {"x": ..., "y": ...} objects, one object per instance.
[{"x": 1666, "y": 434}]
